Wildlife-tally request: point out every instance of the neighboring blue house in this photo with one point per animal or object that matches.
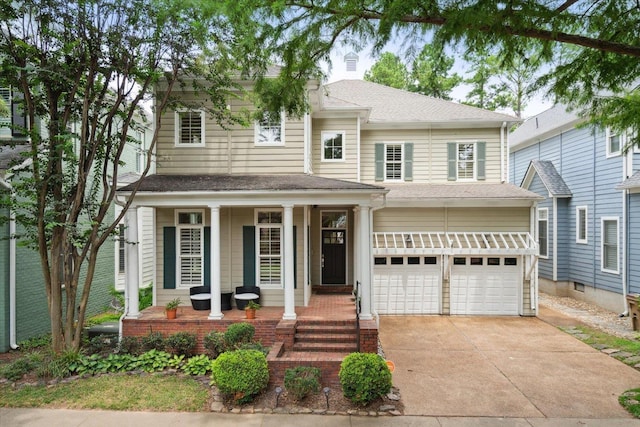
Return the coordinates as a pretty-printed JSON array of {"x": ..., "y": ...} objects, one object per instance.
[{"x": 588, "y": 226}]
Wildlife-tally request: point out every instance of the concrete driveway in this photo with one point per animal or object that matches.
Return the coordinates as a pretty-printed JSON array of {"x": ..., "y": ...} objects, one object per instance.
[{"x": 501, "y": 367}]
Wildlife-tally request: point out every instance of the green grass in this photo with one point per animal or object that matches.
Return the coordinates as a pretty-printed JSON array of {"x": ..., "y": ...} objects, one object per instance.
[
  {"x": 159, "y": 393},
  {"x": 597, "y": 337},
  {"x": 103, "y": 317},
  {"x": 630, "y": 400}
]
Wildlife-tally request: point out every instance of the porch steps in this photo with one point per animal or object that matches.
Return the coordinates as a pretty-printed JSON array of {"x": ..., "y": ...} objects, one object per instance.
[
  {"x": 332, "y": 289},
  {"x": 326, "y": 336}
]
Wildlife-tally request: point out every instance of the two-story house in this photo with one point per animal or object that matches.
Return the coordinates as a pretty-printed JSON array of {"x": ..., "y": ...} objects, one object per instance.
[
  {"x": 588, "y": 223},
  {"x": 400, "y": 195}
]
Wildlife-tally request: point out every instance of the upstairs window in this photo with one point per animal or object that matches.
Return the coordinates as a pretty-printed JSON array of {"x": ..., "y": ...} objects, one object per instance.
[
  {"x": 614, "y": 143},
  {"x": 333, "y": 146},
  {"x": 189, "y": 128},
  {"x": 394, "y": 161},
  {"x": 609, "y": 249},
  {"x": 543, "y": 232},
  {"x": 190, "y": 243},
  {"x": 466, "y": 161},
  {"x": 581, "y": 224},
  {"x": 269, "y": 130}
]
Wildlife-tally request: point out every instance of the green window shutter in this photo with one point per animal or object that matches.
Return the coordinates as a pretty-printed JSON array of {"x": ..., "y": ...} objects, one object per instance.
[
  {"x": 379, "y": 162},
  {"x": 295, "y": 258},
  {"x": 169, "y": 257},
  {"x": 207, "y": 257},
  {"x": 481, "y": 153},
  {"x": 408, "y": 161},
  {"x": 249, "y": 255},
  {"x": 452, "y": 151}
]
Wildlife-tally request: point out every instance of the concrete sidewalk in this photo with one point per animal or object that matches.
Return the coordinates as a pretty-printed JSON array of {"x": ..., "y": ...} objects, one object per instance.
[{"x": 72, "y": 418}]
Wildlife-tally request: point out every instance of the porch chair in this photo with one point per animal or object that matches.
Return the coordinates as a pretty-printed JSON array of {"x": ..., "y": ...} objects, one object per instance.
[
  {"x": 201, "y": 298},
  {"x": 244, "y": 294}
]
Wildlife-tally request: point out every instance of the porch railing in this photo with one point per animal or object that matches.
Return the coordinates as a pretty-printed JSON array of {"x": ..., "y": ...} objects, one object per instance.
[{"x": 357, "y": 298}]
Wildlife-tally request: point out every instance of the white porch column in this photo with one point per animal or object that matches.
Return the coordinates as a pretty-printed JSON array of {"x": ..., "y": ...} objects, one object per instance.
[
  {"x": 365, "y": 263},
  {"x": 214, "y": 260},
  {"x": 289, "y": 296},
  {"x": 357, "y": 274},
  {"x": 131, "y": 262}
]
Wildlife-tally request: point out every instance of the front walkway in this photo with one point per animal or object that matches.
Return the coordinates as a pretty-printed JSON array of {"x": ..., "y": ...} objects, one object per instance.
[{"x": 501, "y": 367}]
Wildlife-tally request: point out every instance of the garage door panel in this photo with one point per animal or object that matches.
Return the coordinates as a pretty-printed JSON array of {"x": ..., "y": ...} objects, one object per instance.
[{"x": 407, "y": 288}]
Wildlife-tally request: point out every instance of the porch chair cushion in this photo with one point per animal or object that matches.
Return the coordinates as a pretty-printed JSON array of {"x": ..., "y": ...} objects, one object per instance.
[
  {"x": 200, "y": 297},
  {"x": 244, "y": 294}
]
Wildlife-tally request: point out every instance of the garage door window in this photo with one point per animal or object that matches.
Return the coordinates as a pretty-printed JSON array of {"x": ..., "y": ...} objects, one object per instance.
[
  {"x": 476, "y": 261},
  {"x": 511, "y": 261},
  {"x": 493, "y": 261},
  {"x": 396, "y": 260},
  {"x": 459, "y": 261},
  {"x": 430, "y": 260},
  {"x": 413, "y": 260},
  {"x": 380, "y": 261}
]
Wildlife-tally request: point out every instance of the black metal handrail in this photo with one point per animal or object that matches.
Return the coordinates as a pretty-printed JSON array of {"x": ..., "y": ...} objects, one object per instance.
[{"x": 357, "y": 298}]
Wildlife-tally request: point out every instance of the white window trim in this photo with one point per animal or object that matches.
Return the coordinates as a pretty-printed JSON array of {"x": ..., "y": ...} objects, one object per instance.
[
  {"x": 475, "y": 161},
  {"x": 546, "y": 219},
  {"x": 586, "y": 224},
  {"x": 178, "y": 128},
  {"x": 179, "y": 284},
  {"x": 5, "y": 131},
  {"x": 322, "y": 138},
  {"x": 257, "y": 247},
  {"x": 256, "y": 127},
  {"x": 402, "y": 160},
  {"x": 602, "y": 266},
  {"x": 609, "y": 134}
]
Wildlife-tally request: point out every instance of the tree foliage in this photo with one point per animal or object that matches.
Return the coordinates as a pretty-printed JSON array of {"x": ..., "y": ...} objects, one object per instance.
[
  {"x": 431, "y": 73},
  {"x": 389, "y": 70},
  {"x": 601, "y": 38},
  {"x": 85, "y": 71}
]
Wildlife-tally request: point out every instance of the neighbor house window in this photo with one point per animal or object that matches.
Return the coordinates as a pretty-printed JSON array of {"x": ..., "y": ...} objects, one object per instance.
[
  {"x": 269, "y": 130},
  {"x": 609, "y": 250},
  {"x": 393, "y": 162},
  {"x": 269, "y": 240},
  {"x": 543, "y": 231},
  {"x": 333, "y": 145},
  {"x": 5, "y": 121},
  {"x": 140, "y": 152},
  {"x": 190, "y": 242},
  {"x": 121, "y": 248},
  {"x": 581, "y": 224},
  {"x": 614, "y": 142},
  {"x": 189, "y": 128}
]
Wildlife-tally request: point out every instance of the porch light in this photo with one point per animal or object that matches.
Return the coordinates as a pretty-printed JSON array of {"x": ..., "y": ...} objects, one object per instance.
[
  {"x": 278, "y": 391},
  {"x": 326, "y": 391},
  {"x": 408, "y": 241}
]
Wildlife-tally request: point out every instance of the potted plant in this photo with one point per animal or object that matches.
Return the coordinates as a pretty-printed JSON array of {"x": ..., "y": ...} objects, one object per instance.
[
  {"x": 172, "y": 308},
  {"x": 250, "y": 309}
]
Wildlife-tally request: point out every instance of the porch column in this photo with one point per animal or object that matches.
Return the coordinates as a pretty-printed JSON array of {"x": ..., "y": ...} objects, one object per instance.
[
  {"x": 214, "y": 255},
  {"x": 357, "y": 265},
  {"x": 289, "y": 278},
  {"x": 132, "y": 262},
  {"x": 365, "y": 263}
]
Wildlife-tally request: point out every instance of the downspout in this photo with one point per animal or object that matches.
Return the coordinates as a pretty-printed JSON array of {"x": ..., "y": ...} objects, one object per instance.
[
  {"x": 374, "y": 313},
  {"x": 625, "y": 218},
  {"x": 358, "y": 148},
  {"x": 555, "y": 240},
  {"x": 12, "y": 272},
  {"x": 503, "y": 148},
  {"x": 307, "y": 145}
]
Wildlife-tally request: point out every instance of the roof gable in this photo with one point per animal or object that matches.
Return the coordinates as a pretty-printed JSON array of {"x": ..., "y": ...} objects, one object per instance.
[{"x": 550, "y": 177}]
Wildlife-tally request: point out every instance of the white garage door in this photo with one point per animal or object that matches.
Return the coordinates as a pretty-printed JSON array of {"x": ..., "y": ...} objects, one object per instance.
[
  {"x": 407, "y": 284},
  {"x": 485, "y": 285}
]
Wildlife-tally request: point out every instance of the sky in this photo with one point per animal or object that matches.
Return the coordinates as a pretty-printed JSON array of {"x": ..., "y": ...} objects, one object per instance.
[{"x": 366, "y": 61}]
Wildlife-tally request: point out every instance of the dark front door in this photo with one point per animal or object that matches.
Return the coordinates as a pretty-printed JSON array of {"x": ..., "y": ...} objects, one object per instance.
[{"x": 334, "y": 259}]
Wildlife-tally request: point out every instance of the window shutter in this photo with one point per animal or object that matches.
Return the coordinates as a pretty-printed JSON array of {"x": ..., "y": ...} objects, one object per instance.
[
  {"x": 207, "y": 256},
  {"x": 18, "y": 116},
  {"x": 295, "y": 259},
  {"x": 249, "y": 255},
  {"x": 452, "y": 149},
  {"x": 379, "y": 162},
  {"x": 169, "y": 257},
  {"x": 408, "y": 161},
  {"x": 481, "y": 156}
]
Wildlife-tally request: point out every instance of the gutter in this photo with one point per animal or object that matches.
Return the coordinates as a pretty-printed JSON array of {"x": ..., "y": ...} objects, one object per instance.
[
  {"x": 625, "y": 218},
  {"x": 503, "y": 149},
  {"x": 12, "y": 272}
]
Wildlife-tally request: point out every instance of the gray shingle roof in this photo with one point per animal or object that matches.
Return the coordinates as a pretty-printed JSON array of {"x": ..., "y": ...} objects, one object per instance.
[
  {"x": 389, "y": 105},
  {"x": 543, "y": 125},
  {"x": 9, "y": 154},
  {"x": 632, "y": 182},
  {"x": 468, "y": 191},
  {"x": 248, "y": 183},
  {"x": 550, "y": 178}
]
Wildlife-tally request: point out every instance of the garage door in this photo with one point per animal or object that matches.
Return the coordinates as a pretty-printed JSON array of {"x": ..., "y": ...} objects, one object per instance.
[
  {"x": 485, "y": 285},
  {"x": 407, "y": 284}
]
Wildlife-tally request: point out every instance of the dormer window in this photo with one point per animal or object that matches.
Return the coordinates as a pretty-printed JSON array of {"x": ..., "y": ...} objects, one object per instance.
[
  {"x": 466, "y": 161},
  {"x": 189, "y": 128},
  {"x": 333, "y": 146},
  {"x": 269, "y": 130}
]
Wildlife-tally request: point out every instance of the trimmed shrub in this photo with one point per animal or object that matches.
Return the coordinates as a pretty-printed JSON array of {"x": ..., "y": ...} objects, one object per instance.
[
  {"x": 152, "y": 341},
  {"x": 254, "y": 346},
  {"x": 19, "y": 367},
  {"x": 240, "y": 374},
  {"x": 302, "y": 381},
  {"x": 364, "y": 377},
  {"x": 181, "y": 343},
  {"x": 130, "y": 345},
  {"x": 238, "y": 334},
  {"x": 214, "y": 343}
]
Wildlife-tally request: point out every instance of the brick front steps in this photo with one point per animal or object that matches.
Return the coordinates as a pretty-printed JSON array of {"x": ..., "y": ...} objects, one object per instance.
[{"x": 326, "y": 336}]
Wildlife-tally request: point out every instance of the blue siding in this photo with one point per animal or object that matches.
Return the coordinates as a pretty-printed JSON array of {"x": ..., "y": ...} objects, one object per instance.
[
  {"x": 545, "y": 265},
  {"x": 633, "y": 244},
  {"x": 580, "y": 157}
]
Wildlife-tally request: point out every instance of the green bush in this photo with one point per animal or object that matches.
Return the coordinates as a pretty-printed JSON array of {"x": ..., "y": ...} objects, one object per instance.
[
  {"x": 57, "y": 365},
  {"x": 145, "y": 296},
  {"x": 101, "y": 344},
  {"x": 364, "y": 377},
  {"x": 240, "y": 374},
  {"x": 302, "y": 381},
  {"x": 152, "y": 341},
  {"x": 214, "y": 343},
  {"x": 238, "y": 334},
  {"x": 130, "y": 345},
  {"x": 254, "y": 346},
  {"x": 197, "y": 365},
  {"x": 181, "y": 343},
  {"x": 19, "y": 367},
  {"x": 35, "y": 343}
]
